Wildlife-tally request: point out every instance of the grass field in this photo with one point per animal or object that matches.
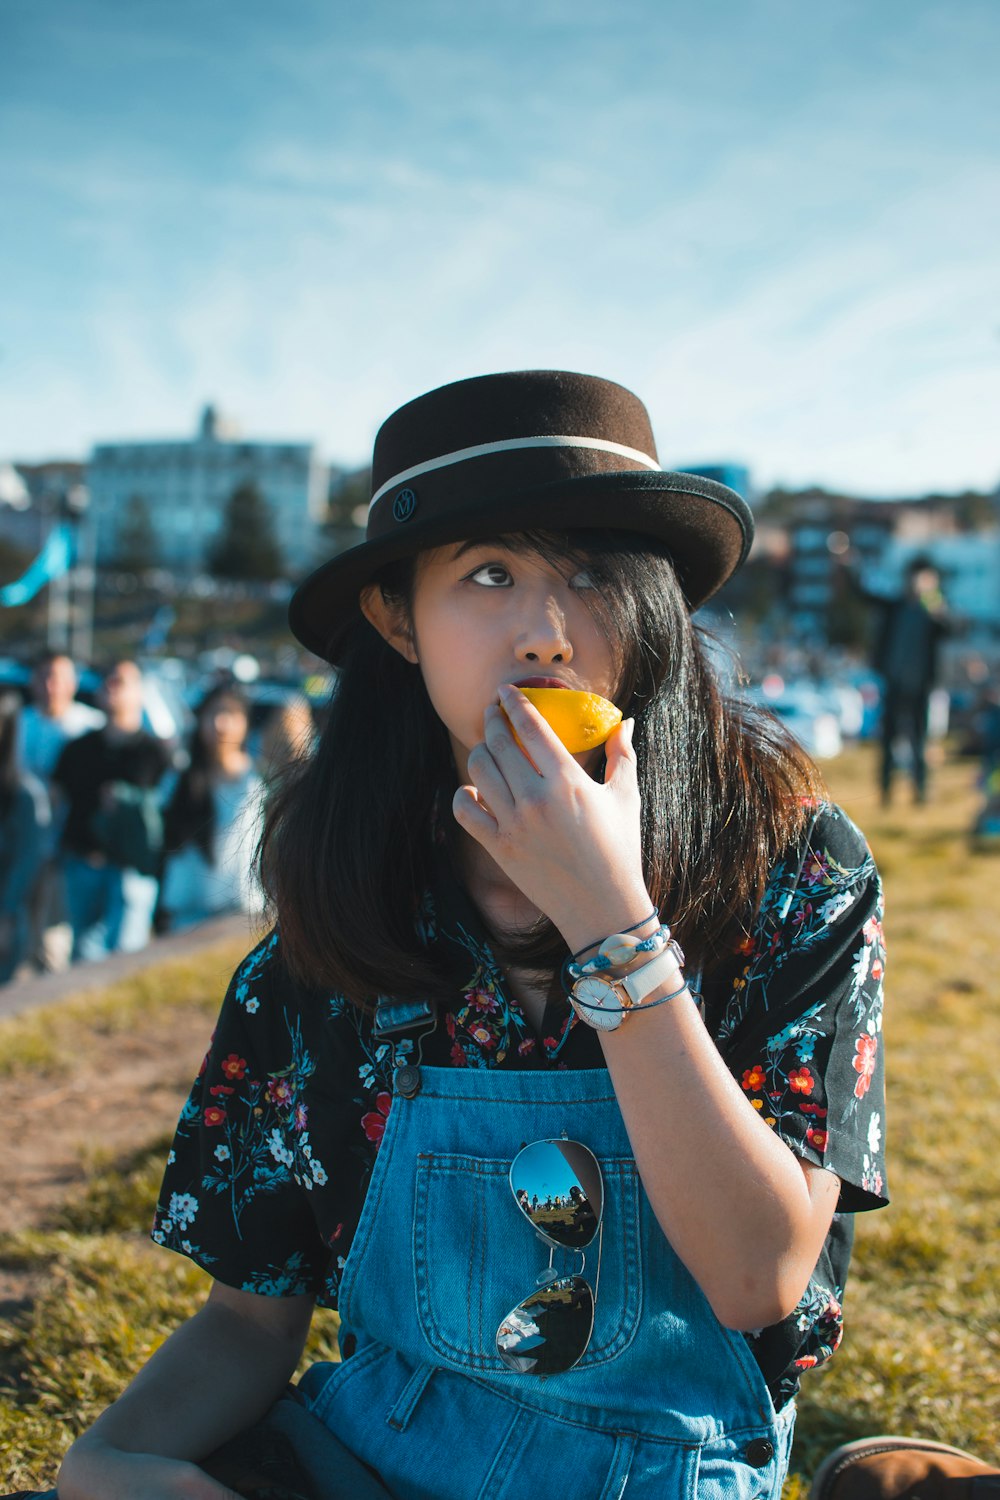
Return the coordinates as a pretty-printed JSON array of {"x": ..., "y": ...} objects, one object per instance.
[{"x": 922, "y": 1351}]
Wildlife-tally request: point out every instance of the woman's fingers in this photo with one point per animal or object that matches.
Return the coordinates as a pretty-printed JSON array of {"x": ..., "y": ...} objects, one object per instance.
[
  {"x": 490, "y": 778},
  {"x": 539, "y": 742},
  {"x": 474, "y": 815},
  {"x": 620, "y": 754}
]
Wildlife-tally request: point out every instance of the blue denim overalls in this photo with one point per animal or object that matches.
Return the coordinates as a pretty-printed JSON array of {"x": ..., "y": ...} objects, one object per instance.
[{"x": 665, "y": 1402}]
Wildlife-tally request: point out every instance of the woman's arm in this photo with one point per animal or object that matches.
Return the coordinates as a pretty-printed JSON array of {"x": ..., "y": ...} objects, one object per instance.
[
  {"x": 744, "y": 1214},
  {"x": 216, "y": 1374}
]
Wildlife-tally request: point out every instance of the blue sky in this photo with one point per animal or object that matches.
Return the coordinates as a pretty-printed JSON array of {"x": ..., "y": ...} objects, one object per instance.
[{"x": 777, "y": 222}]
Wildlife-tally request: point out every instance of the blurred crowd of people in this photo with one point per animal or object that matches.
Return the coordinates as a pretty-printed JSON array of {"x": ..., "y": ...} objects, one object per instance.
[{"x": 108, "y": 832}]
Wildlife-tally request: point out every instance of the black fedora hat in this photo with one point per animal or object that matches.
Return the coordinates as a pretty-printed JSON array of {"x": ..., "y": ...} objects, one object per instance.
[{"x": 541, "y": 450}]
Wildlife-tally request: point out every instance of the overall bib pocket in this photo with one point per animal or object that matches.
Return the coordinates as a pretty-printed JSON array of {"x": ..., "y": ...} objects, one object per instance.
[{"x": 493, "y": 1259}]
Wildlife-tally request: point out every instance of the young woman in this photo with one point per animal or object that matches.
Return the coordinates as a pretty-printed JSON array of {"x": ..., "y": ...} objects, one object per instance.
[
  {"x": 471, "y": 1021},
  {"x": 212, "y": 821}
]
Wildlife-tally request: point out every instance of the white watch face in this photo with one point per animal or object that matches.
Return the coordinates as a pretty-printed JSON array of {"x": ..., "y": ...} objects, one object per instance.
[{"x": 593, "y": 995}]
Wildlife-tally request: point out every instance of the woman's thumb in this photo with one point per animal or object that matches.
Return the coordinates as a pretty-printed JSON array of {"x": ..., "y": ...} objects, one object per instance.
[{"x": 618, "y": 751}]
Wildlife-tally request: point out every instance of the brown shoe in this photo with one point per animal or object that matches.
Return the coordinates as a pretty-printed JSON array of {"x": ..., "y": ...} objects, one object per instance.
[{"x": 899, "y": 1468}]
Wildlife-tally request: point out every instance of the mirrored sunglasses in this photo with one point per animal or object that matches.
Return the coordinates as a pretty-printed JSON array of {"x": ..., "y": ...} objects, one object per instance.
[{"x": 557, "y": 1186}]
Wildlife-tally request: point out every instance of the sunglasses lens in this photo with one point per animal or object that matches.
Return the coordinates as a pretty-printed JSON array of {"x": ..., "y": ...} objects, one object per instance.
[
  {"x": 557, "y": 1185},
  {"x": 549, "y": 1331}
]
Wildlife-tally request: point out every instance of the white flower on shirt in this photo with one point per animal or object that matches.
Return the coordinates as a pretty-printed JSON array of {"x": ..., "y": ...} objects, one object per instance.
[
  {"x": 278, "y": 1149},
  {"x": 183, "y": 1209}
]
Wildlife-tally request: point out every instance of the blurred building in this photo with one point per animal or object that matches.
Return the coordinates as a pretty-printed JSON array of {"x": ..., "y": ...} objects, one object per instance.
[
  {"x": 969, "y": 564},
  {"x": 959, "y": 534},
  {"x": 33, "y": 497},
  {"x": 184, "y": 485},
  {"x": 822, "y": 530}
]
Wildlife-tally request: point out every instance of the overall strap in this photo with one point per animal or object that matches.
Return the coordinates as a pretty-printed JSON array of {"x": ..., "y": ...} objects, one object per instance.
[{"x": 395, "y": 1019}]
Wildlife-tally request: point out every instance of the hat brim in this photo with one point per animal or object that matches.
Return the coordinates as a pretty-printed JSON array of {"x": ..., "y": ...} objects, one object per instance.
[{"x": 706, "y": 527}]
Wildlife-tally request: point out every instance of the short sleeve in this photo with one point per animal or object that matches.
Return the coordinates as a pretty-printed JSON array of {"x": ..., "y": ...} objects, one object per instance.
[
  {"x": 243, "y": 1190},
  {"x": 801, "y": 1029}
]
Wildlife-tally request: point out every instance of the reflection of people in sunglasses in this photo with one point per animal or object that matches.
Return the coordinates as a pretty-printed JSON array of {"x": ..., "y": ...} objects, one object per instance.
[
  {"x": 546, "y": 1332},
  {"x": 498, "y": 899}
]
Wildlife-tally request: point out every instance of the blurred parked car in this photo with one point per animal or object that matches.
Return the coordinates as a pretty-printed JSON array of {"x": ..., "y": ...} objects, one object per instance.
[{"x": 812, "y": 714}]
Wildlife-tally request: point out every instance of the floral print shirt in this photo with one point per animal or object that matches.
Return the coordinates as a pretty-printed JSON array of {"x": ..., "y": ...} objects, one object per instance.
[{"x": 275, "y": 1145}]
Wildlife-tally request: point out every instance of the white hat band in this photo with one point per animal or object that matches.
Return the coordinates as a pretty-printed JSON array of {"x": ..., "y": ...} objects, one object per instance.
[{"x": 508, "y": 445}]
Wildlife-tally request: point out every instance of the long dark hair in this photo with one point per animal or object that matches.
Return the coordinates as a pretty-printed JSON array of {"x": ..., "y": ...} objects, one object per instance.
[
  {"x": 10, "y": 713},
  {"x": 189, "y": 817},
  {"x": 345, "y": 852}
]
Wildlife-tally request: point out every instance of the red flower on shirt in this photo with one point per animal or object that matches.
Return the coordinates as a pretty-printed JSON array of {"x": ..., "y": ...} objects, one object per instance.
[
  {"x": 816, "y": 869},
  {"x": 754, "y": 1079},
  {"x": 234, "y": 1065},
  {"x": 279, "y": 1091},
  {"x": 817, "y": 1138},
  {"x": 865, "y": 1047},
  {"x": 801, "y": 1081},
  {"x": 373, "y": 1123},
  {"x": 213, "y": 1115}
]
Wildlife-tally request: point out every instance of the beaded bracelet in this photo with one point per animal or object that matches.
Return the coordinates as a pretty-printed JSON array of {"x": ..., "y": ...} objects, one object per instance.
[
  {"x": 597, "y": 941},
  {"x": 619, "y": 950},
  {"x": 571, "y": 973}
]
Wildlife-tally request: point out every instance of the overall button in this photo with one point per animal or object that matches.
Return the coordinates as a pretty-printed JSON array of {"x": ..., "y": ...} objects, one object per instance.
[
  {"x": 759, "y": 1452},
  {"x": 408, "y": 1081}
]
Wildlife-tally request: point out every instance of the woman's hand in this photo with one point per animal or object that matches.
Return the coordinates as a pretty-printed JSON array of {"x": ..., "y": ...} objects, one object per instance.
[
  {"x": 92, "y": 1470},
  {"x": 571, "y": 844}
]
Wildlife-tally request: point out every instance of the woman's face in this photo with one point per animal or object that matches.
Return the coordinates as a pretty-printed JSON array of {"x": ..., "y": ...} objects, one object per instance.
[
  {"x": 484, "y": 614},
  {"x": 224, "y": 725}
]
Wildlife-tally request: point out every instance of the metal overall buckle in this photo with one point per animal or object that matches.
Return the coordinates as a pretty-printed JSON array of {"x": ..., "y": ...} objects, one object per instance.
[{"x": 393, "y": 1020}]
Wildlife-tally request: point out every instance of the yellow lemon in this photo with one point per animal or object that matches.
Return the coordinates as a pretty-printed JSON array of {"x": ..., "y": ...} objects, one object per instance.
[{"x": 581, "y": 720}]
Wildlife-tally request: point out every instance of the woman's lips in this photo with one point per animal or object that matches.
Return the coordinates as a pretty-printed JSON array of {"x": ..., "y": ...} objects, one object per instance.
[{"x": 541, "y": 682}]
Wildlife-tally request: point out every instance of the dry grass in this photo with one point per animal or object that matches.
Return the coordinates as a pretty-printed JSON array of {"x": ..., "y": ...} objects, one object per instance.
[{"x": 922, "y": 1351}]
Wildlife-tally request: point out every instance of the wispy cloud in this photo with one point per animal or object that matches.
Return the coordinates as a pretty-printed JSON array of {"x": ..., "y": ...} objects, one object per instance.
[{"x": 792, "y": 263}]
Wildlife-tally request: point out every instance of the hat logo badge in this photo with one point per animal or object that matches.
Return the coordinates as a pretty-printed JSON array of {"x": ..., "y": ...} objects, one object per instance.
[{"x": 404, "y": 504}]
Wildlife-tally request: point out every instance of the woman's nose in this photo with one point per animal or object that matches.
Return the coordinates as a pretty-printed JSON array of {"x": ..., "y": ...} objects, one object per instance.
[{"x": 544, "y": 638}]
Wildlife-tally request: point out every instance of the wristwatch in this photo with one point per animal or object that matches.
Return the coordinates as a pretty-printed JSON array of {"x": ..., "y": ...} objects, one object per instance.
[{"x": 604, "y": 1002}]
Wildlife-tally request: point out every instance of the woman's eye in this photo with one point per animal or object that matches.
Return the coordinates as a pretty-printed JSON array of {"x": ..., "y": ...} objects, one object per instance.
[{"x": 493, "y": 576}]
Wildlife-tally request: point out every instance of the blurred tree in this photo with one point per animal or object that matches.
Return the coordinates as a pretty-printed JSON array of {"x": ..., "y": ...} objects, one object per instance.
[
  {"x": 975, "y": 511},
  {"x": 848, "y": 617},
  {"x": 13, "y": 560},
  {"x": 348, "y": 504},
  {"x": 346, "y": 513},
  {"x": 135, "y": 550},
  {"x": 22, "y": 630},
  {"x": 246, "y": 546}
]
